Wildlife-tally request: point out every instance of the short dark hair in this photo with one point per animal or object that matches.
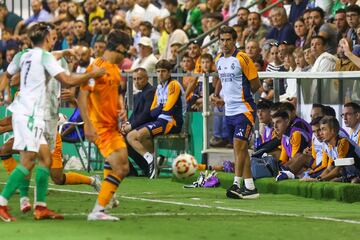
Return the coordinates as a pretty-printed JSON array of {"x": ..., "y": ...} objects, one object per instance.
[
  {"x": 319, "y": 37},
  {"x": 329, "y": 111},
  {"x": 264, "y": 104},
  {"x": 171, "y": 2},
  {"x": 353, "y": 105},
  {"x": 319, "y": 10},
  {"x": 146, "y": 24},
  {"x": 243, "y": 8},
  {"x": 116, "y": 38},
  {"x": 96, "y": 18},
  {"x": 353, "y": 8},
  {"x": 332, "y": 122},
  {"x": 164, "y": 64},
  {"x": 341, "y": 10},
  {"x": 276, "y": 106},
  {"x": 316, "y": 121},
  {"x": 281, "y": 114},
  {"x": 288, "y": 106},
  {"x": 39, "y": 31},
  {"x": 214, "y": 15},
  {"x": 226, "y": 29}
]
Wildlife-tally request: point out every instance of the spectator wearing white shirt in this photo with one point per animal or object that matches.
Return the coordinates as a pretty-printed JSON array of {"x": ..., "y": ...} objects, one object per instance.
[
  {"x": 40, "y": 14},
  {"x": 146, "y": 59},
  {"x": 134, "y": 10},
  {"x": 150, "y": 10}
]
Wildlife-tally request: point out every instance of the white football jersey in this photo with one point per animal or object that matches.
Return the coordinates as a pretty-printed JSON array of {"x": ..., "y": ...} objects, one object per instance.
[{"x": 37, "y": 66}]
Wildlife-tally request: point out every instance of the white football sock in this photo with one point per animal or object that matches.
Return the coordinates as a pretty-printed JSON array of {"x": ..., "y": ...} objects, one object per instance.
[
  {"x": 148, "y": 157},
  {"x": 237, "y": 180},
  {"x": 249, "y": 183}
]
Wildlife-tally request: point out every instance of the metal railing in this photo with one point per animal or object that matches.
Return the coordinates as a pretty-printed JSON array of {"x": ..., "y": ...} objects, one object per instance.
[{"x": 20, "y": 7}]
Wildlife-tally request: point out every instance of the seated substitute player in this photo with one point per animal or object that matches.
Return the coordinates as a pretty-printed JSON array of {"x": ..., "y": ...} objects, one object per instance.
[
  {"x": 338, "y": 147},
  {"x": 28, "y": 115},
  {"x": 101, "y": 123},
  {"x": 293, "y": 142},
  {"x": 167, "y": 108}
]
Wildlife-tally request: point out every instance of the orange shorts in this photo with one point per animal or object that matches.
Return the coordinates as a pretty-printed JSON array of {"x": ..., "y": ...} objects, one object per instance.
[
  {"x": 57, "y": 154},
  {"x": 109, "y": 141}
]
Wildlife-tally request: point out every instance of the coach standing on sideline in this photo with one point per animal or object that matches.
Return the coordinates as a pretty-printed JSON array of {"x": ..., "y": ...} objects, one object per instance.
[{"x": 239, "y": 80}]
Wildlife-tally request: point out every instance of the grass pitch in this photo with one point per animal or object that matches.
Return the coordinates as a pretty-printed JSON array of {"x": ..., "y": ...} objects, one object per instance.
[{"x": 162, "y": 209}]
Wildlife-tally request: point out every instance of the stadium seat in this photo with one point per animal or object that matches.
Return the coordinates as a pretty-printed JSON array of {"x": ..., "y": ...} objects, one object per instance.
[{"x": 178, "y": 143}]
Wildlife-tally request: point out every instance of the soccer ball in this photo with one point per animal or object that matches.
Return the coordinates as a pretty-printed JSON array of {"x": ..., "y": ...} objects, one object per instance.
[{"x": 184, "y": 166}]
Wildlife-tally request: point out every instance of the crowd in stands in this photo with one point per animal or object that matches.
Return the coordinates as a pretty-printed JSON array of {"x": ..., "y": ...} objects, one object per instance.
[{"x": 294, "y": 36}]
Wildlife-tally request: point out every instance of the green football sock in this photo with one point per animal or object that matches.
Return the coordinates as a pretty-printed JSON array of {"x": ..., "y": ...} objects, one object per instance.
[
  {"x": 42, "y": 182},
  {"x": 24, "y": 188},
  {"x": 14, "y": 181}
]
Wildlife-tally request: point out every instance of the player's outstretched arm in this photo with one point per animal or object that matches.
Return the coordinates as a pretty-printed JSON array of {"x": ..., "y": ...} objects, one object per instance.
[
  {"x": 4, "y": 80},
  {"x": 77, "y": 79},
  {"x": 89, "y": 130}
]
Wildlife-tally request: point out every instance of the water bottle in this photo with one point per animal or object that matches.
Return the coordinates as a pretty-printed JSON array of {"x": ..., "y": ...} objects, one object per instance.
[{"x": 257, "y": 140}]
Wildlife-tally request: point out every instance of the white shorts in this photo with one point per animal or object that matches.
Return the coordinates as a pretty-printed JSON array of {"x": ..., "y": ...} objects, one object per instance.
[{"x": 28, "y": 133}]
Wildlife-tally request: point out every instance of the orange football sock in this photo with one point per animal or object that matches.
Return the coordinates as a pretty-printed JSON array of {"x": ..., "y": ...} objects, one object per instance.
[
  {"x": 72, "y": 178},
  {"x": 107, "y": 169},
  {"x": 108, "y": 188},
  {"x": 9, "y": 163}
]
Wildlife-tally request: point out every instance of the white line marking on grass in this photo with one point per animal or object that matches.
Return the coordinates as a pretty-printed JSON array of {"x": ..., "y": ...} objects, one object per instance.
[
  {"x": 217, "y": 207},
  {"x": 154, "y": 214}
]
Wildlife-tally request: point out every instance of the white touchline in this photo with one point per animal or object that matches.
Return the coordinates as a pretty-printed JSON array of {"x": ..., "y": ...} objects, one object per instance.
[{"x": 213, "y": 207}]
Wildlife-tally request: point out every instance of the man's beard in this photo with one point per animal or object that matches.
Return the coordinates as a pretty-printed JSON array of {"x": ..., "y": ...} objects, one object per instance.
[{"x": 84, "y": 63}]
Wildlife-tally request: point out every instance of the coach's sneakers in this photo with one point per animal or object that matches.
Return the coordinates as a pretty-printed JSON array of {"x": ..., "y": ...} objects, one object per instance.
[
  {"x": 234, "y": 192},
  {"x": 101, "y": 216},
  {"x": 5, "y": 215},
  {"x": 96, "y": 183},
  {"x": 25, "y": 205},
  {"x": 249, "y": 194},
  {"x": 42, "y": 212}
]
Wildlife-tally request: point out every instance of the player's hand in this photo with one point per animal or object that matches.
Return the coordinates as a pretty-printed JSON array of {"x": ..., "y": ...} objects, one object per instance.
[
  {"x": 90, "y": 132},
  {"x": 67, "y": 95},
  {"x": 307, "y": 151},
  {"x": 97, "y": 72}
]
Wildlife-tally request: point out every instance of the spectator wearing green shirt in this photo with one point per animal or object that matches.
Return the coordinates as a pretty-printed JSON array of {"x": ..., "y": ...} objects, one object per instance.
[
  {"x": 11, "y": 22},
  {"x": 176, "y": 9},
  {"x": 193, "y": 21}
]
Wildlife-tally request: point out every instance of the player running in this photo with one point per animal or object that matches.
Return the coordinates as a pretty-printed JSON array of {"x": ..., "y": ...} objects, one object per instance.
[{"x": 101, "y": 123}]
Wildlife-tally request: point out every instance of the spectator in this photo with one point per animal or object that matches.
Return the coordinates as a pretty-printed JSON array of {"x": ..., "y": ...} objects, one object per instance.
[
  {"x": 234, "y": 6},
  {"x": 325, "y": 62},
  {"x": 340, "y": 23},
  {"x": 301, "y": 32},
  {"x": 281, "y": 28},
  {"x": 105, "y": 27},
  {"x": 325, "y": 5},
  {"x": 301, "y": 64},
  {"x": 93, "y": 10},
  {"x": 188, "y": 66},
  {"x": 297, "y": 10},
  {"x": 134, "y": 10},
  {"x": 174, "y": 53},
  {"x": 309, "y": 58},
  {"x": 213, "y": 20},
  {"x": 343, "y": 63},
  {"x": 110, "y": 8},
  {"x": 194, "y": 50},
  {"x": 239, "y": 29},
  {"x": 53, "y": 7},
  {"x": 12, "y": 22},
  {"x": 75, "y": 11},
  {"x": 353, "y": 20},
  {"x": 211, "y": 6},
  {"x": 96, "y": 30},
  {"x": 40, "y": 15},
  {"x": 320, "y": 28},
  {"x": 255, "y": 29},
  {"x": 145, "y": 29},
  {"x": 80, "y": 33},
  {"x": 252, "y": 49},
  {"x": 175, "y": 35},
  {"x": 176, "y": 10},
  {"x": 242, "y": 16},
  {"x": 99, "y": 47},
  {"x": 150, "y": 10},
  {"x": 146, "y": 59},
  {"x": 193, "y": 19}
]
